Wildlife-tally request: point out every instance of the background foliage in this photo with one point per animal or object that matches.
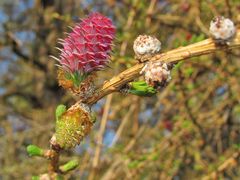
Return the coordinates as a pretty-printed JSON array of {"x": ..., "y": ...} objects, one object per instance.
[{"x": 190, "y": 130}]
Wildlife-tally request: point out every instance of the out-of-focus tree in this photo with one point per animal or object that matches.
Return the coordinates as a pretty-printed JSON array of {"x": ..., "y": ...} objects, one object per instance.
[{"x": 190, "y": 130}]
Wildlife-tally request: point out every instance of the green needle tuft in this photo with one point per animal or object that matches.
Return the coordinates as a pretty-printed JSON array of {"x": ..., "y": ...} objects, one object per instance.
[
  {"x": 141, "y": 88},
  {"x": 35, "y": 178},
  {"x": 60, "y": 110},
  {"x": 33, "y": 150},
  {"x": 69, "y": 166}
]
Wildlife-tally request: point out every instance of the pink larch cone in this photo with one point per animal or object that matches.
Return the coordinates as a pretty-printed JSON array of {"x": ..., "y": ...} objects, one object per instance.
[{"x": 87, "y": 48}]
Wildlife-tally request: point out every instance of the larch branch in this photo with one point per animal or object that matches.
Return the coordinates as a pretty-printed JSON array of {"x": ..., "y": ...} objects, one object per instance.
[{"x": 204, "y": 47}]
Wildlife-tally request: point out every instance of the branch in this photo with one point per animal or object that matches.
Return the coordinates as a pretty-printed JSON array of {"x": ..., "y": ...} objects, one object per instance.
[
  {"x": 207, "y": 46},
  {"x": 230, "y": 162},
  {"x": 117, "y": 82},
  {"x": 100, "y": 138},
  {"x": 16, "y": 46}
]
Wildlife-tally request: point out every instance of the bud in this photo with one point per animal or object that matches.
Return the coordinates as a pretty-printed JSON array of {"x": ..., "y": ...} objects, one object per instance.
[
  {"x": 156, "y": 74},
  {"x": 145, "y": 45},
  {"x": 222, "y": 29}
]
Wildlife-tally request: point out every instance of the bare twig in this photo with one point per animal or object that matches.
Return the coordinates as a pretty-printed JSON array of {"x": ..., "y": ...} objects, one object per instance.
[
  {"x": 122, "y": 125},
  {"x": 131, "y": 15},
  {"x": 100, "y": 136},
  {"x": 150, "y": 11},
  {"x": 229, "y": 7}
]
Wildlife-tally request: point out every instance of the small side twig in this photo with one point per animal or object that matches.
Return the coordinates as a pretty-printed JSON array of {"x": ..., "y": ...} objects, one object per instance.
[
  {"x": 122, "y": 125},
  {"x": 100, "y": 136},
  {"x": 53, "y": 156}
]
